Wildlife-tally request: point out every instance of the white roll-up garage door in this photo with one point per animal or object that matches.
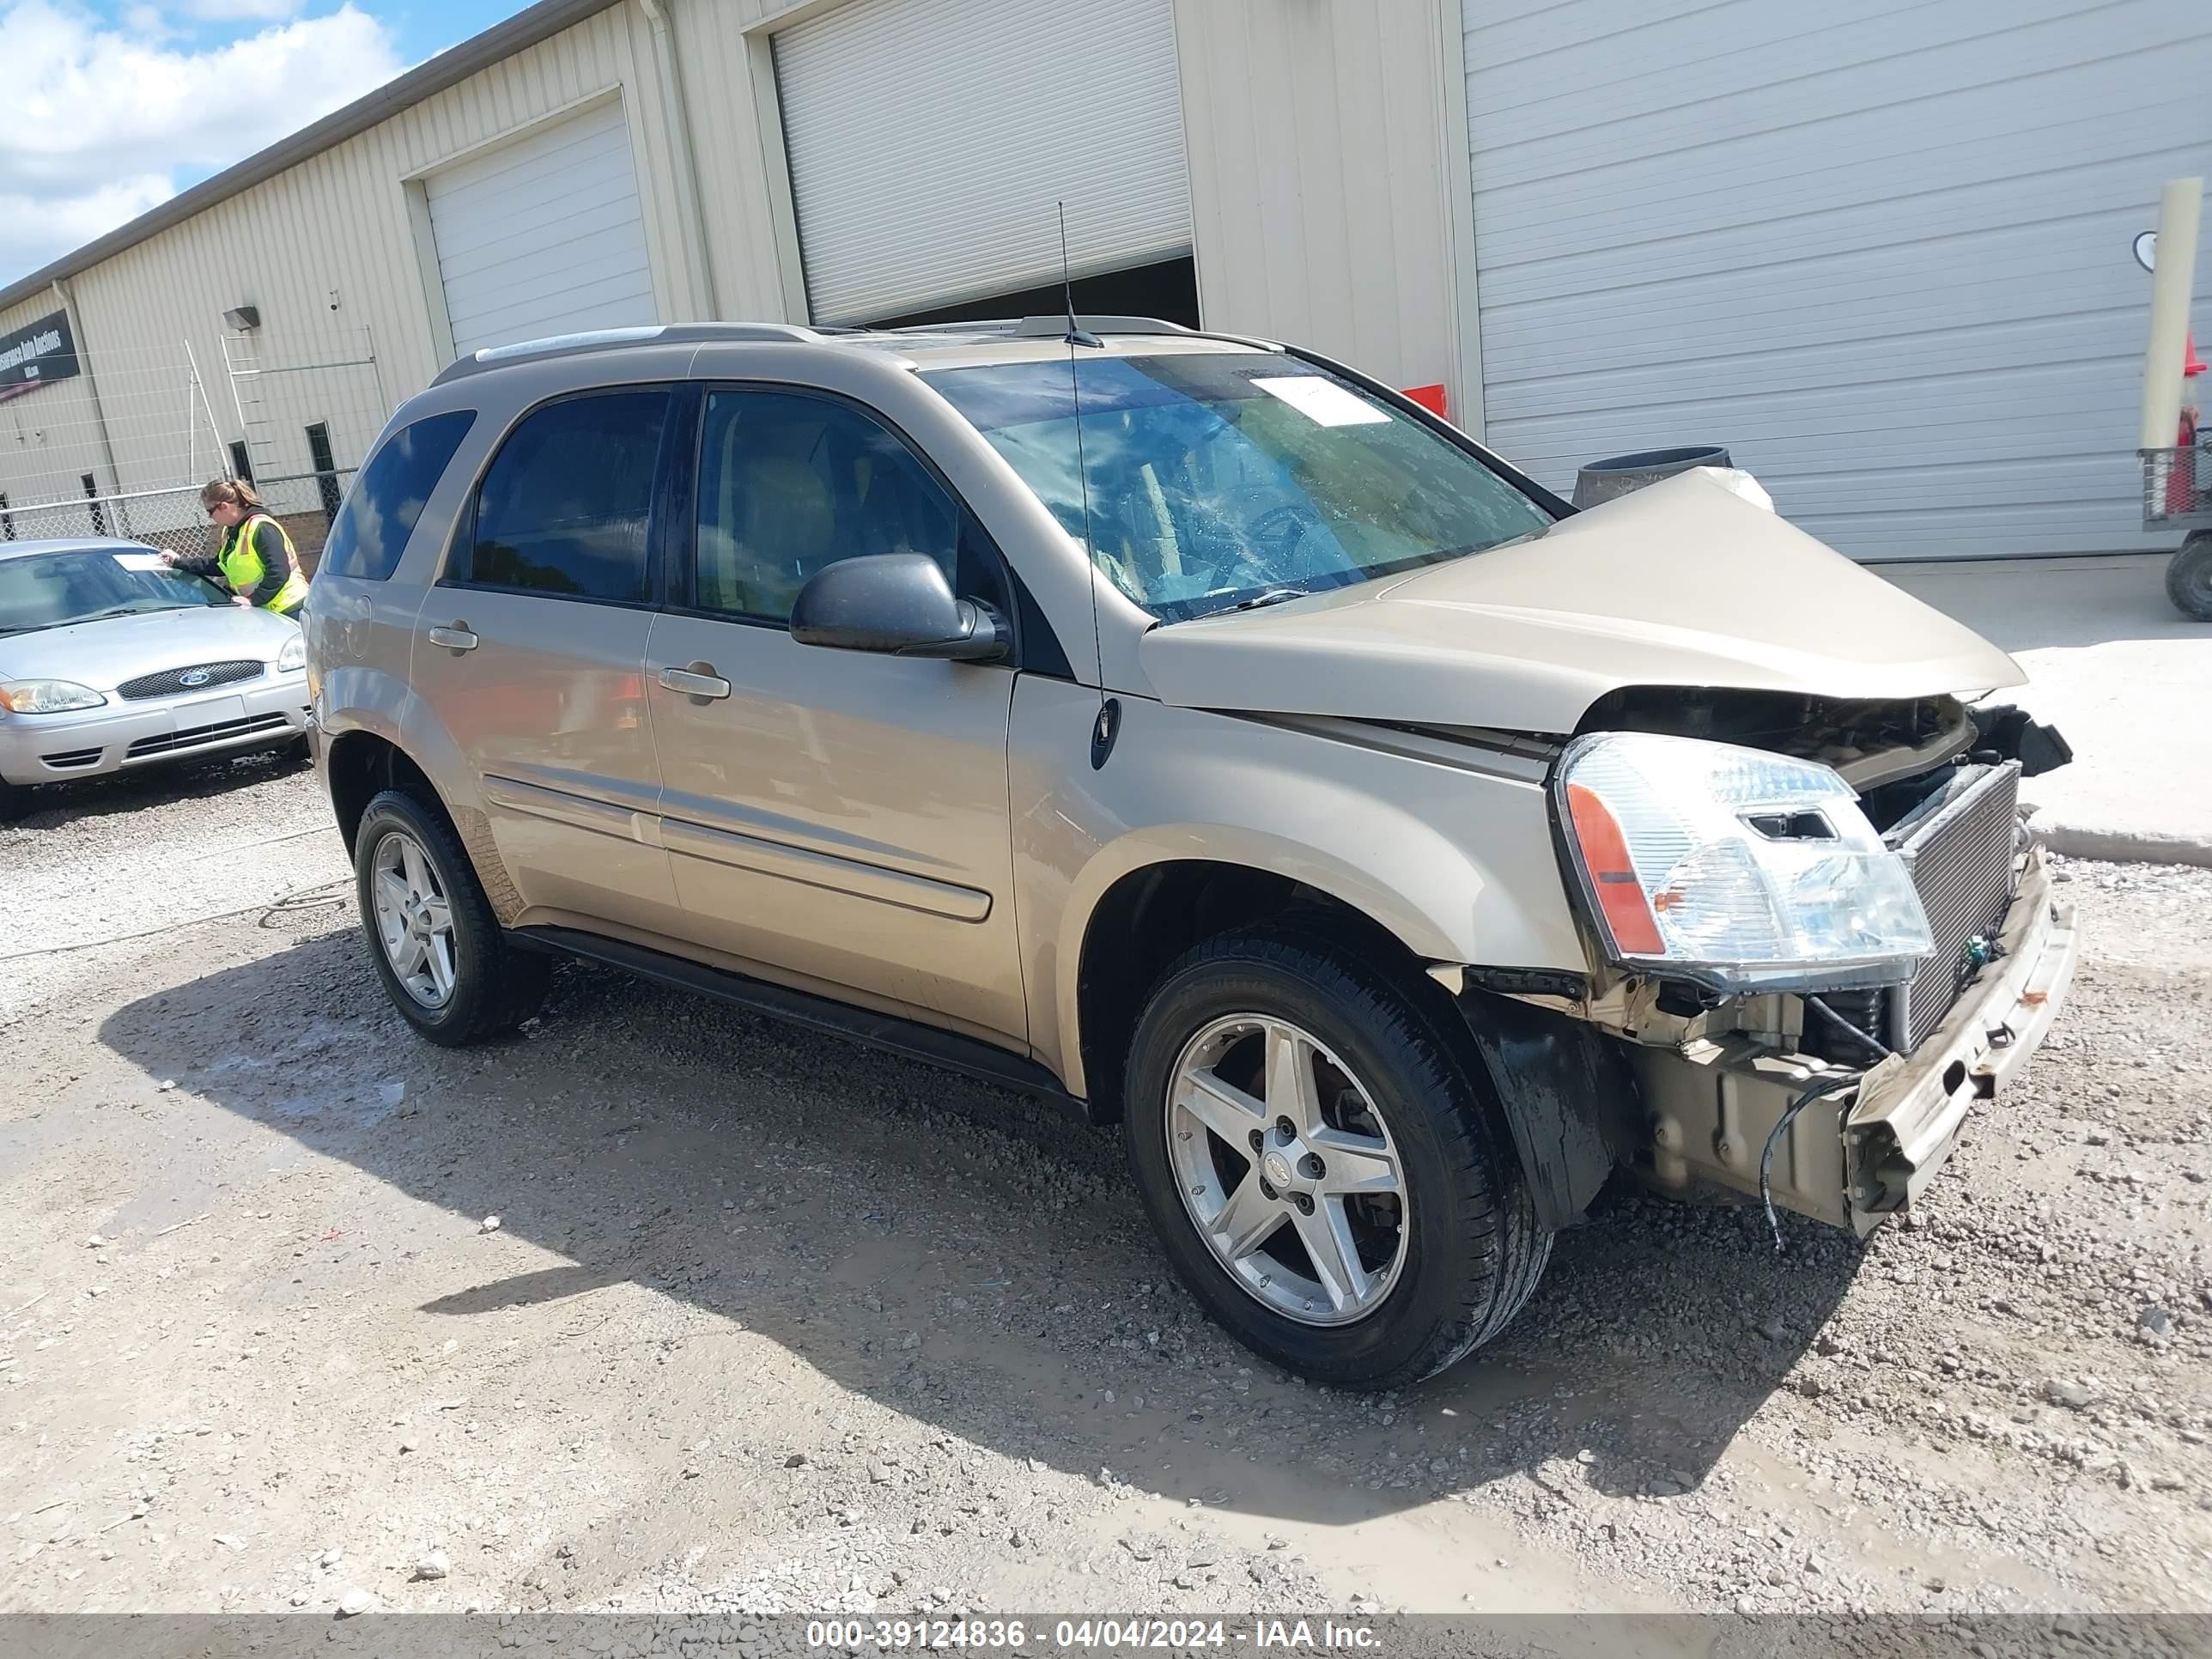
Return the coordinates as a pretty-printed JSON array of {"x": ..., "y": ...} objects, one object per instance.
[
  {"x": 929, "y": 140},
  {"x": 1879, "y": 250},
  {"x": 543, "y": 234}
]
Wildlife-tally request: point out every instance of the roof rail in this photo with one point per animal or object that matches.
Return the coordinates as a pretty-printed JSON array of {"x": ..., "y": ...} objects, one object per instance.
[
  {"x": 564, "y": 346},
  {"x": 1045, "y": 328},
  {"x": 1032, "y": 328},
  {"x": 972, "y": 326}
]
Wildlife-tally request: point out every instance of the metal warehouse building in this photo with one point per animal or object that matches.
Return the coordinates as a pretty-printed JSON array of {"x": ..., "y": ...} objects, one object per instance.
[{"x": 1881, "y": 249}]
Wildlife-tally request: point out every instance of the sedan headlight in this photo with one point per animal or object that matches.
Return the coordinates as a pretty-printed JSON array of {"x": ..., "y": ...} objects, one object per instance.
[
  {"x": 47, "y": 696},
  {"x": 1732, "y": 868},
  {"x": 294, "y": 653}
]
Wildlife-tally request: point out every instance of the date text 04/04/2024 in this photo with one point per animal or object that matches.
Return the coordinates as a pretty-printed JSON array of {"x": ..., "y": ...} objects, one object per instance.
[{"x": 1170, "y": 1635}]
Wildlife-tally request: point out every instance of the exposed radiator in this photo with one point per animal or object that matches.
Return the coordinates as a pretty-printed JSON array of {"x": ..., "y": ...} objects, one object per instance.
[{"x": 1961, "y": 853}]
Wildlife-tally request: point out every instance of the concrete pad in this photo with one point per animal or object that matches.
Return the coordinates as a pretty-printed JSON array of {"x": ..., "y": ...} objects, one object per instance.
[{"x": 2124, "y": 675}]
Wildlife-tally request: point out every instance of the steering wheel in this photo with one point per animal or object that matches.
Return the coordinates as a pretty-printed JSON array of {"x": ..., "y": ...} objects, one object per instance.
[
  {"x": 1271, "y": 536},
  {"x": 1281, "y": 528}
]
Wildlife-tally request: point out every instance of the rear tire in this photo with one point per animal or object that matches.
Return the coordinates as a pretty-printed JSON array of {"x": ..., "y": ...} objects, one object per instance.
[
  {"x": 2189, "y": 577},
  {"x": 446, "y": 963},
  {"x": 1407, "y": 1109}
]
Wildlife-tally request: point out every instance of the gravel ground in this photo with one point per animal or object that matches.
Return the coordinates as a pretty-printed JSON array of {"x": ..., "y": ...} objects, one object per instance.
[{"x": 765, "y": 1322}]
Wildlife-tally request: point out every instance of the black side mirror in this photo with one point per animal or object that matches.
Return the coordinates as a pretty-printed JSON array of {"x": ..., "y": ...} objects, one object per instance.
[{"x": 899, "y": 604}]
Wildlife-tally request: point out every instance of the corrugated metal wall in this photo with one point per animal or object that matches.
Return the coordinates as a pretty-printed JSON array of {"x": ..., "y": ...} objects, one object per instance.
[
  {"x": 48, "y": 438},
  {"x": 730, "y": 87},
  {"x": 1881, "y": 252},
  {"x": 1321, "y": 175},
  {"x": 1328, "y": 202},
  {"x": 341, "y": 221},
  {"x": 1879, "y": 249}
]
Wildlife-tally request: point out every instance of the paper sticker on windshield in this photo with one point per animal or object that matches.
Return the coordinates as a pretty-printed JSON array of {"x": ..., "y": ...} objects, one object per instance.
[
  {"x": 1323, "y": 402},
  {"x": 138, "y": 561}
]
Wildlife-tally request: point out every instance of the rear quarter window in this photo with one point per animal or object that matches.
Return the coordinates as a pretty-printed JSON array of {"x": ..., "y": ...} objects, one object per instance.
[{"x": 378, "y": 513}]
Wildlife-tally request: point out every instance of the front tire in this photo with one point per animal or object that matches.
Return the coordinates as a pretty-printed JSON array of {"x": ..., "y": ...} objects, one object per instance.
[
  {"x": 446, "y": 963},
  {"x": 2189, "y": 577},
  {"x": 1324, "y": 1164}
]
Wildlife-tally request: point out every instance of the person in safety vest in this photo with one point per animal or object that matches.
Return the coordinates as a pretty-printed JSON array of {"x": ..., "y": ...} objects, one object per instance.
[{"x": 256, "y": 560}]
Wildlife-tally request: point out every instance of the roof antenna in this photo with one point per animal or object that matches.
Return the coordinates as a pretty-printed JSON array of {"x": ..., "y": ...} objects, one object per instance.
[
  {"x": 1076, "y": 336},
  {"x": 1108, "y": 725}
]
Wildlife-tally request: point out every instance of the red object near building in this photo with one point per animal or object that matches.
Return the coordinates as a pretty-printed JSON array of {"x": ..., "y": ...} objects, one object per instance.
[
  {"x": 1431, "y": 397},
  {"x": 2181, "y": 476}
]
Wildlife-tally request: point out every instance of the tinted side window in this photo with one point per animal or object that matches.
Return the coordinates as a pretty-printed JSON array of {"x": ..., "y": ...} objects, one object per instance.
[
  {"x": 788, "y": 485},
  {"x": 566, "y": 503},
  {"x": 371, "y": 530}
]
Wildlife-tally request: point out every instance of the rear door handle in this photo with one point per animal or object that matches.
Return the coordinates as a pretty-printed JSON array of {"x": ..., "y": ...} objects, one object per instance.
[
  {"x": 456, "y": 638},
  {"x": 699, "y": 680}
]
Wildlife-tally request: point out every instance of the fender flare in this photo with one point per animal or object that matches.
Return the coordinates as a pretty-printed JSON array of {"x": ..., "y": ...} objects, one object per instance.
[
  {"x": 1568, "y": 1097},
  {"x": 1358, "y": 888},
  {"x": 368, "y": 702}
]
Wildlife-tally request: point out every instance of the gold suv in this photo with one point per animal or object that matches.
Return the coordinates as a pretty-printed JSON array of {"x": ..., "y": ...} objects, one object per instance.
[{"x": 1197, "y": 732}]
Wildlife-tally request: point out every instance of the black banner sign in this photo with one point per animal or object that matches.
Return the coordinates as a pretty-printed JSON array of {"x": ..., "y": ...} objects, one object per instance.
[{"x": 31, "y": 357}]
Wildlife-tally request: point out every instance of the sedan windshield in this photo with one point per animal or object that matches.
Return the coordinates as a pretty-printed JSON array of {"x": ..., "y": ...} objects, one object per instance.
[
  {"x": 50, "y": 590},
  {"x": 1221, "y": 479}
]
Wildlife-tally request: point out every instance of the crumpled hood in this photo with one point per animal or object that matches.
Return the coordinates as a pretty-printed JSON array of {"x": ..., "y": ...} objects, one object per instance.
[
  {"x": 1685, "y": 583},
  {"x": 102, "y": 654}
]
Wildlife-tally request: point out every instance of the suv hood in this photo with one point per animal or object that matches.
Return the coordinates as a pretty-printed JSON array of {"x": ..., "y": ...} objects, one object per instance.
[
  {"x": 1685, "y": 583},
  {"x": 103, "y": 653}
]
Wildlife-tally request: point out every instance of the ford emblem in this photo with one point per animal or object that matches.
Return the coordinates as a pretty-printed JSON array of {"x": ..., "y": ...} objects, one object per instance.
[{"x": 193, "y": 677}]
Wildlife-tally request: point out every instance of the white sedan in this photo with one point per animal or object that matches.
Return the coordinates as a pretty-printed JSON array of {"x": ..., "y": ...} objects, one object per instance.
[{"x": 110, "y": 661}]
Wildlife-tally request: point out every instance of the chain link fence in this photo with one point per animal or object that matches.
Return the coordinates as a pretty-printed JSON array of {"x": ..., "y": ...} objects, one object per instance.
[
  {"x": 123, "y": 448},
  {"x": 173, "y": 519},
  {"x": 133, "y": 420}
]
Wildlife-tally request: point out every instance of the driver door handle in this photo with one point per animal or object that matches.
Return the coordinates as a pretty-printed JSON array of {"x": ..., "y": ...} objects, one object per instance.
[
  {"x": 697, "y": 681},
  {"x": 456, "y": 638}
]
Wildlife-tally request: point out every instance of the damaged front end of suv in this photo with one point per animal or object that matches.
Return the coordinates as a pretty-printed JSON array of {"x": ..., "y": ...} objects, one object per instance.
[
  {"x": 1821, "y": 930},
  {"x": 1804, "y": 927}
]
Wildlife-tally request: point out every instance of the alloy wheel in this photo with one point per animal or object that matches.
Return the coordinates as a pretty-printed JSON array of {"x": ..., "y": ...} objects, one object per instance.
[
  {"x": 414, "y": 922},
  {"x": 1287, "y": 1170}
]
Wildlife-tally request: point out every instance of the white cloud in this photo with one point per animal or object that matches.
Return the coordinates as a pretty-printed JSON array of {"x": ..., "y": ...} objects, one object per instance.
[
  {"x": 266, "y": 11},
  {"x": 98, "y": 122}
]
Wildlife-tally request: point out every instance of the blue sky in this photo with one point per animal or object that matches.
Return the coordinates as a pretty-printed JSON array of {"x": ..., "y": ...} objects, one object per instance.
[
  {"x": 418, "y": 30},
  {"x": 114, "y": 105}
]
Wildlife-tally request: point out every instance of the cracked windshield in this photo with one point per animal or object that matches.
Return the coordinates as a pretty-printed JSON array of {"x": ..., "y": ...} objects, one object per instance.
[{"x": 1221, "y": 480}]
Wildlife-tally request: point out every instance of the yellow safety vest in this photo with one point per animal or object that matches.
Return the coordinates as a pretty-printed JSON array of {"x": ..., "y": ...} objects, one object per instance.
[{"x": 241, "y": 566}]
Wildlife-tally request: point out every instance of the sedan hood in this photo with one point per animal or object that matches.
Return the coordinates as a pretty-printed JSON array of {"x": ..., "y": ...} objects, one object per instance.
[
  {"x": 1682, "y": 584},
  {"x": 102, "y": 654}
]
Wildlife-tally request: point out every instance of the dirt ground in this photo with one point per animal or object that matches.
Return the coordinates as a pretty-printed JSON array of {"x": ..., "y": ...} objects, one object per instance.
[{"x": 767, "y": 1322}]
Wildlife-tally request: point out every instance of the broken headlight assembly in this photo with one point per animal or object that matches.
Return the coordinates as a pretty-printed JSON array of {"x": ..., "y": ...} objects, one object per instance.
[{"x": 1733, "y": 869}]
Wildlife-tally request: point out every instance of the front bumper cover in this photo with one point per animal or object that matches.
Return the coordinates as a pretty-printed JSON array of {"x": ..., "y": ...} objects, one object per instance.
[
  {"x": 1853, "y": 1160},
  {"x": 118, "y": 736}
]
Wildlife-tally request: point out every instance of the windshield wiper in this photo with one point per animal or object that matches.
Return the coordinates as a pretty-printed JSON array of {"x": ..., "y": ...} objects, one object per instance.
[
  {"x": 102, "y": 616},
  {"x": 1269, "y": 596}
]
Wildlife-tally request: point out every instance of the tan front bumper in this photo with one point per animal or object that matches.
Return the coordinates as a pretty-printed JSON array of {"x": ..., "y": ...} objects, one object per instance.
[{"x": 1852, "y": 1160}]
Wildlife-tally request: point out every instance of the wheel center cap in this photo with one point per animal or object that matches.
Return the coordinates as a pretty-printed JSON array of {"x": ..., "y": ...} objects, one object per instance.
[{"x": 1277, "y": 1169}]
